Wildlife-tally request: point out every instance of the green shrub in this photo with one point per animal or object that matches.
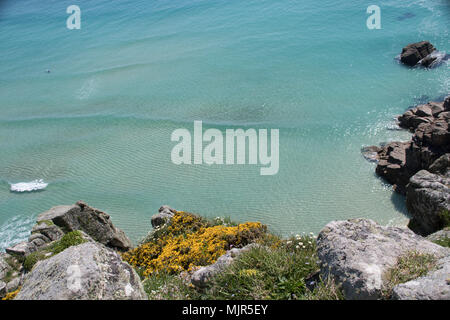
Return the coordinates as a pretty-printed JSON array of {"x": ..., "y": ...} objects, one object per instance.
[{"x": 68, "y": 240}]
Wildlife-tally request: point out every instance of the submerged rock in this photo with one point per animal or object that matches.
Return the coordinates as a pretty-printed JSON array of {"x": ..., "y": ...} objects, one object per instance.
[
  {"x": 358, "y": 253},
  {"x": 86, "y": 271}
]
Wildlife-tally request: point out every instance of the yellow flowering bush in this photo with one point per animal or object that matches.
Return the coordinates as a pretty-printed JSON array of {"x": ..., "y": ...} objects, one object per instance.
[
  {"x": 11, "y": 295},
  {"x": 188, "y": 242}
]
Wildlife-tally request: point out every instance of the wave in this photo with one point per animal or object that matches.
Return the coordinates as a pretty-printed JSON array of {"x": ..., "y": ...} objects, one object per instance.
[
  {"x": 15, "y": 230},
  {"x": 34, "y": 185}
]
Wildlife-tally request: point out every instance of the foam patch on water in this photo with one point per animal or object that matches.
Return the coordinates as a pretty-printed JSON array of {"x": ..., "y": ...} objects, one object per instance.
[
  {"x": 29, "y": 186},
  {"x": 15, "y": 230}
]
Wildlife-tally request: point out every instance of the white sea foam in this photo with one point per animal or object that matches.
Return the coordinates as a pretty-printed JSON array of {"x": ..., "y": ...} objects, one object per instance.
[
  {"x": 15, "y": 230},
  {"x": 29, "y": 186}
]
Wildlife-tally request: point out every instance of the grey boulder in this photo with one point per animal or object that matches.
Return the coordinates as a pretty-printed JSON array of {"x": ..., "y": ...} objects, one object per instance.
[
  {"x": 357, "y": 253},
  {"x": 428, "y": 201},
  {"x": 89, "y": 271}
]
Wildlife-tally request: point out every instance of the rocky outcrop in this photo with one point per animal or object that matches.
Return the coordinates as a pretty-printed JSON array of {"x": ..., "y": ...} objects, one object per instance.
[
  {"x": 397, "y": 162},
  {"x": 434, "y": 286},
  {"x": 86, "y": 271},
  {"x": 95, "y": 223},
  {"x": 51, "y": 226},
  {"x": 165, "y": 214},
  {"x": 423, "y": 54},
  {"x": 392, "y": 165},
  {"x": 359, "y": 252},
  {"x": 202, "y": 276},
  {"x": 428, "y": 198}
]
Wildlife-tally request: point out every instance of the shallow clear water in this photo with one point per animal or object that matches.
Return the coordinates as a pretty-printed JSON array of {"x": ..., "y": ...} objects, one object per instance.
[{"x": 98, "y": 127}]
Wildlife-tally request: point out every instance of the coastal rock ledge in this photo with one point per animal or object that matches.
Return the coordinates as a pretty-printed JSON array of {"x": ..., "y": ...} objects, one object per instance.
[{"x": 359, "y": 255}]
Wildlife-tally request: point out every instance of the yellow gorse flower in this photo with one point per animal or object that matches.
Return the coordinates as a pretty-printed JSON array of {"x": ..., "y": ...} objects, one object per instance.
[{"x": 189, "y": 243}]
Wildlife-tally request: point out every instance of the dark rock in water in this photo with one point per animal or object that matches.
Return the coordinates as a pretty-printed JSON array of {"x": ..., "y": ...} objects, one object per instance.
[
  {"x": 428, "y": 197},
  {"x": 415, "y": 52},
  {"x": 399, "y": 161},
  {"x": 392, "y": 165}
]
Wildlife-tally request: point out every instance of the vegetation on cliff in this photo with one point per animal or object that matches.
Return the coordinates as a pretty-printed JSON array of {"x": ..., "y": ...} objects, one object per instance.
[{"x": 275, "y": 269}]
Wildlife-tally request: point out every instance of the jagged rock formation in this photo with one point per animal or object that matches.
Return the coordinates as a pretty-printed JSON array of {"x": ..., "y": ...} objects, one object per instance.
[
  {"x": 399, "y": 161},
  {"x": 420, "y": 168},
  {"x": 93, "y": 226},
  {"x": 359, "y": 252},
  {"x": 88, "y": 271}
]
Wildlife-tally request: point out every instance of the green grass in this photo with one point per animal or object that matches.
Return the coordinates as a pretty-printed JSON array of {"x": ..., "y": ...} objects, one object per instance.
[
  {"x": 444, "y": 241},
  {"x": 408, "y": 267},
  {"x": 164, "y": 286},
  {"x": 69, "y": 239},
  {"x": 277, "y": 272},
  {"x": 445, "y": 218}
]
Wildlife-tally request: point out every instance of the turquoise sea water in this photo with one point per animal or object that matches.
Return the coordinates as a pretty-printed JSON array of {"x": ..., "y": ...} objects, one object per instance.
[{"x": 98, "y": 127}]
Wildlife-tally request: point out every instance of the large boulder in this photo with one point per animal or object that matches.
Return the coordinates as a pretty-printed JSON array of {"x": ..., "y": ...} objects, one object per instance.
[
  {"x": 415, "y": 52},
  {"x": 357, "y": 253},
  {"x": 94, "y": 222},
  {"x": 88, "y": 271},
  {"x": 428, "y": 198}
]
